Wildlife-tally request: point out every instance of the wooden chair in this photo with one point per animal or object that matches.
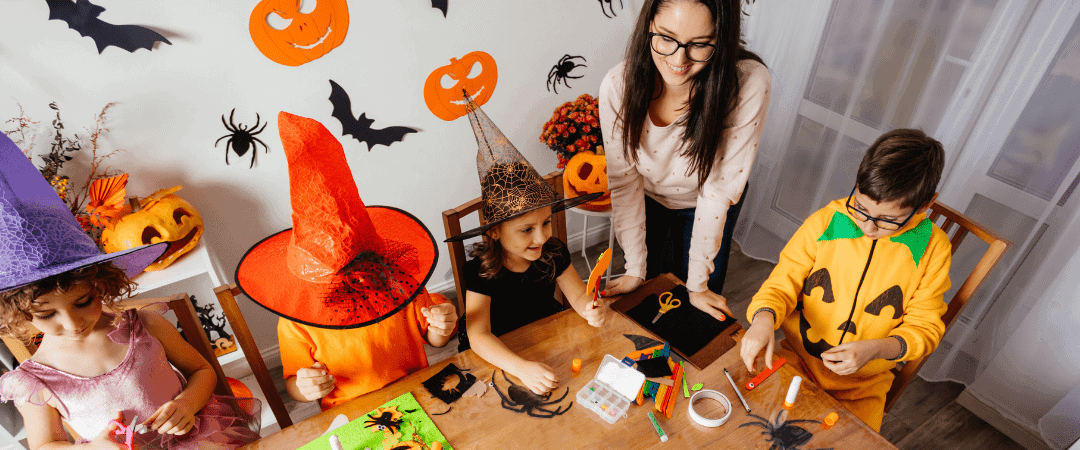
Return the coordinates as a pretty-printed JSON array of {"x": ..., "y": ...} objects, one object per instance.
[
  {"x": 957, "y": 226},
  {"x": 452, "y": 226},
  {"x": 226, "y": 296}
]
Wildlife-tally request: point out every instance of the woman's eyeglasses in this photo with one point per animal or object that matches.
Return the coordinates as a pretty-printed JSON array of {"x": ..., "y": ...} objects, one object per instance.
[
  {"x": 880, "y": 223},
  {"x": 695, "y": 51}
]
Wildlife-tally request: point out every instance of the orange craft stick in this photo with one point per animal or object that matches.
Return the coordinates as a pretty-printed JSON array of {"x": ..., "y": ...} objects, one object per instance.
[
  {"x": 674, "y": 392},
  {"x": 765, "y": 372}
]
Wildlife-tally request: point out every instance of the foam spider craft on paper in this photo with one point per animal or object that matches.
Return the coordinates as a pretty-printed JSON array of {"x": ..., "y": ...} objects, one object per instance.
[
  {"x": 519, "y": 398},
  {"x": 783, "y": 435},
  {"x": 561, "y": 72},
  {"x": 241, "y": 139},
  {"x": 610, "y": 6}
]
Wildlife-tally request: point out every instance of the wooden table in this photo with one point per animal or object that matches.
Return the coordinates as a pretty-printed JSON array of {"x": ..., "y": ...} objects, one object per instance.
[{"x": 481, "y": 423}]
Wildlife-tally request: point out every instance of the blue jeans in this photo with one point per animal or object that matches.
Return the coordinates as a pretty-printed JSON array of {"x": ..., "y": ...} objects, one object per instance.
[{"x": 667, "y": 238}]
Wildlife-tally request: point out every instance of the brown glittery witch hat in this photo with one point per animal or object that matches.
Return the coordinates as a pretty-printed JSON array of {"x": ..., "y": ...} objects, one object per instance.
[{"x": 509, "y": 185}]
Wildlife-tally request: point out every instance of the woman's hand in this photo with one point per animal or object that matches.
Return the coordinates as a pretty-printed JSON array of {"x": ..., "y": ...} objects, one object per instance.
[
  {"x": 712, "y": 304},
  {"x": 759, "y": 337},
  {"x": 538, "y": 377},
  {"x": 104, "y": 440},
  {"x": 314, "y": 382},
  {"x": 174, "y": 417},
  {"x": 849, "y": 357},
  {"x": 622, "y": 285}
]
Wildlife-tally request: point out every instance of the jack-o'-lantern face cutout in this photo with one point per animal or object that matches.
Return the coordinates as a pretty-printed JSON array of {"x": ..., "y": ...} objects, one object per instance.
[
  {"x": 847, "y": 331},
  {"x": 163, "y": 217},
  {"x": 586, "y": 173},
  {"x": 475, "y": 72},
  {"x": 288, "y": 33}
]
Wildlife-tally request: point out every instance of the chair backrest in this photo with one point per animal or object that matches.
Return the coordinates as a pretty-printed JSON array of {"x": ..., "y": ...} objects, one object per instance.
[
  {"x": 452, "y": 225},
  {"x": 957, "y": 226},
  {"x": 226, "y": 295}
]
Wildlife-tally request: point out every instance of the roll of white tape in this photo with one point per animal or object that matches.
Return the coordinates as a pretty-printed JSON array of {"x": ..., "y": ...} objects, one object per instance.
[{"x": 708, "y": 393}]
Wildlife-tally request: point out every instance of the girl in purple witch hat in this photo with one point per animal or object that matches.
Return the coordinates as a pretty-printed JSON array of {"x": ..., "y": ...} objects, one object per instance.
[{"x": 94, "y": 369}]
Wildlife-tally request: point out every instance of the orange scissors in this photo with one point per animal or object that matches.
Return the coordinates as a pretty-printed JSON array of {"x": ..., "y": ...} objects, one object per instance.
[{"x": 667, "y": 303}]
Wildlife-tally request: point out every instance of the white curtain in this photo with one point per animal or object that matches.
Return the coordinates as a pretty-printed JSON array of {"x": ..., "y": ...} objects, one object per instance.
[{"x": 998, "y": 82}]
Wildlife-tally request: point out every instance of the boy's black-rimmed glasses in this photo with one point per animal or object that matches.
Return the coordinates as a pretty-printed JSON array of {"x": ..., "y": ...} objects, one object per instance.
[
  {"x": 695, "y": 51},
  {"x": 880, "y": 223}
]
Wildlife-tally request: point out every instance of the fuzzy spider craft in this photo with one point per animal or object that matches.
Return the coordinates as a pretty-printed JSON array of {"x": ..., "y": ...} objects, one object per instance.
[
  {"x": 519, "y": 398},
  {"x": 449, "y": 384},
  {"x": 389, "y": 420},
  {"x": 560, "y": 72},
  {"x": 242, "y": 139},
  {"x": 783, "y": 435},
  {"x": 610, "y": 6}
]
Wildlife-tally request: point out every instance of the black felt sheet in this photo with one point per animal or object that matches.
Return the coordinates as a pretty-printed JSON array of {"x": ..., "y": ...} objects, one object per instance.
[{"x": 687, "y": 328}]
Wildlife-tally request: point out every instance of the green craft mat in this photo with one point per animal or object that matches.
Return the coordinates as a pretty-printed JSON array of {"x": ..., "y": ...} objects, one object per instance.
[{"x": 355, "y": 436}]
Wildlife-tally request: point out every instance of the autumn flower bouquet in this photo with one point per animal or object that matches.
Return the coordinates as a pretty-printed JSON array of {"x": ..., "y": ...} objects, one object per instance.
[{"x": 574, "y": 127}]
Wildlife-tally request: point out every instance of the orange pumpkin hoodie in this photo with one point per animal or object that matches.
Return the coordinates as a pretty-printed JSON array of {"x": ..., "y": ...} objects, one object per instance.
[{"x": 833, "y": 285}]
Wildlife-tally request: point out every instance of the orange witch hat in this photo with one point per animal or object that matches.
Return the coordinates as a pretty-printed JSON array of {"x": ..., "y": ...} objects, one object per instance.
[{"x": 343, "y": 264}]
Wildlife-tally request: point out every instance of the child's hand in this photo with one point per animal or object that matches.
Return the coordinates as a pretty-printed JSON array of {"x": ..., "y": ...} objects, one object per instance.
[
  {"x": 314, "y": 382},
  {"x": 538, "y": 377},
  {"x": 104, "y": 440},
  {"x": 759, "y": 337},
  {"x": 441, "y": 318},
  {"x": 711, "y": 303},
  {"x": 622, "y": 285},
  {"x": 174, "y": 417},
  {"x": 596, "y": 316},
  {"x": 849, "y": 357}
]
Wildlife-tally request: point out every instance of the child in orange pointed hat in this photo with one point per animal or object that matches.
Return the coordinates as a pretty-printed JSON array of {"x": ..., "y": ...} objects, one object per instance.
[
  {"x": 347, "y": 279},
  {"x": 511, "y": 280}
]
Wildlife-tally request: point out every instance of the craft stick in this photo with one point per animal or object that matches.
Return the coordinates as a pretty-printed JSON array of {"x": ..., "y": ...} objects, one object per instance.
[
  {"x": 671, "y": 402},
  {"x": 685, "y": 391},
  {"x": 765, "y": 372},
  {"x": 662, "y": 380},
  {"x": 637, "y": 355}
]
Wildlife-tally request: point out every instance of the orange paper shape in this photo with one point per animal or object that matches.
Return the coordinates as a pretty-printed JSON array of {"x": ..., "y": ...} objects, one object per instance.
[
  {"x": 594, "y": 278},
  {"x": 446, "y": 101},
  {"x": 107, "y": 200},
  {"x": 586, "y": 173},
  {"x": 306, "y": 37}
]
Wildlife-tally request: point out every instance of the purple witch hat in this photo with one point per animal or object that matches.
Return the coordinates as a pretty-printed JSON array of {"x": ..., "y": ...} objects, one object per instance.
[{"x": 39, "y": 237}]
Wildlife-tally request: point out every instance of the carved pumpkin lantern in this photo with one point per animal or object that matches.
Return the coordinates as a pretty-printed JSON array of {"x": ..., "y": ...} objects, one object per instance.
[
  {"x": 161, "y": 217},
  {"x": 287, "y": 35},
  {"x": 586, "y": 173},
  {"x": 475, "y": 72}
]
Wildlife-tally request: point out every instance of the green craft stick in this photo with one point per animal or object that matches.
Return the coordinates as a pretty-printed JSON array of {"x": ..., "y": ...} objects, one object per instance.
[
  {"x": 685, "y": 392},
  {"x": 697, "y": 387}
]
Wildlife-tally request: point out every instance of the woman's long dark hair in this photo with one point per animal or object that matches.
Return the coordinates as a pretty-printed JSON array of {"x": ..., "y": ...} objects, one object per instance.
[{"x": 714, "y": 92}]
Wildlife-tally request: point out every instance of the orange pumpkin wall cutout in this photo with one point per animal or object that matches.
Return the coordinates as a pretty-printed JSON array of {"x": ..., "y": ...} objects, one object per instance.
[
  {"x": 475, "y": 72},
  {"x": 586, "y": 173},
  {"x": 161, "y": 217},
  {"x": 287, "y": 35}
]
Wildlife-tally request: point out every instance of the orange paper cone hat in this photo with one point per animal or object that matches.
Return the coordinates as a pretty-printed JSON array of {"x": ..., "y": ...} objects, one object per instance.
[{"x": 343, "y": 264}]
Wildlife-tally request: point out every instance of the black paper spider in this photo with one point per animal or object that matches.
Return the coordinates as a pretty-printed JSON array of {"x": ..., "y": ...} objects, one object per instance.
[
  {"x": 390, "y": 419},
  {"x": 517, "y": 395},
  {"x": 241, "y": 139},
  {"x": 783, "y": 435},
  {"x": 561, "y": 71},
  {"x": 610, "y": 6}
]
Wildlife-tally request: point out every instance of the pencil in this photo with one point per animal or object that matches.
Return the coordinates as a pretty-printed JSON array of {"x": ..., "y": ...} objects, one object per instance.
[{"x": 734, "y": 386}]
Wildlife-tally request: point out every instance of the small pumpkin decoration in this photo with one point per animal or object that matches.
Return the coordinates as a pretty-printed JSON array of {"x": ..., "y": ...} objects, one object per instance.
[
  {"x": 161, "y": 217},
  {"x": 445, "y": 100},
  {"x": 586, "y": 173},
  {"x": 306, "y": 37}
]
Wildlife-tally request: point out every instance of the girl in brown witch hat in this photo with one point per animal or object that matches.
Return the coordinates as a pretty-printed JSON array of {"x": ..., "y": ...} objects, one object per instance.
[{"x": 511, "y": 280}]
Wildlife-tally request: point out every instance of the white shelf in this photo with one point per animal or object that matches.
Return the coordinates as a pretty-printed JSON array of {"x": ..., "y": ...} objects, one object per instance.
[{"x": 196, "y": 262}]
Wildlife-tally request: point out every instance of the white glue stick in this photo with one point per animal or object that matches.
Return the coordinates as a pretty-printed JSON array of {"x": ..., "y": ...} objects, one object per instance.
[
  {"x": 335, "y": 443},
  {"x": 792, "y": 392}
]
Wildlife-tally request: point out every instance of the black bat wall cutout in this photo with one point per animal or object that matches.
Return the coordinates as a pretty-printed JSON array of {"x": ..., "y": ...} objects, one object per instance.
[
  {"x": 360, "y": 128},
  {"x": 441, "y": 5},
  {"x": 81, "y": 16}
]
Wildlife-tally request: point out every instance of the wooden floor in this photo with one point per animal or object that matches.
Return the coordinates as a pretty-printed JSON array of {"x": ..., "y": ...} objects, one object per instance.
[{"x": 926, "y": 417}]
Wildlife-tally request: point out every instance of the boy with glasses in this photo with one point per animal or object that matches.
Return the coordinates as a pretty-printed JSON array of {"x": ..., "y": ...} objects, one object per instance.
[{"x": 860, "y": 284}]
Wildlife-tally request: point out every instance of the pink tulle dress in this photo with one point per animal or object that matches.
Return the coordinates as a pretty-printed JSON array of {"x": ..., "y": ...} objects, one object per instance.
[{"x": 138, "y": 386}]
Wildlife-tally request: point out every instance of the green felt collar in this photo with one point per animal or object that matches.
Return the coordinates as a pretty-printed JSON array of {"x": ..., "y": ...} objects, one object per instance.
[{"x": 916, "y": 239}]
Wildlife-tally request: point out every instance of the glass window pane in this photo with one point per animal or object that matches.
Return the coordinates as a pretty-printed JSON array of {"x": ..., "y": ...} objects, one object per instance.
[
  {"x": 938, "y": 96},
  {"x": 971, "y": 27},
  {"x": 937, "y": 34},
  {"x": 842, "y": 51},
  {"x": 802, "y": 169},
  {"x": 1045, "y": 141},
  {"x": 851, "y": 153},
  {"x": 901, "y": 31}
]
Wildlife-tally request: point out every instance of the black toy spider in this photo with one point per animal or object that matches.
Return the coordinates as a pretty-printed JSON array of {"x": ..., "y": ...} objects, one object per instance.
[
  {"x": 610, "y": 6},
  {"x": 783, "y": 435},
  {"x": 241, "y": 139},
  {"x": 561, "y": 71},
  {"x": 517, "y": 395}
]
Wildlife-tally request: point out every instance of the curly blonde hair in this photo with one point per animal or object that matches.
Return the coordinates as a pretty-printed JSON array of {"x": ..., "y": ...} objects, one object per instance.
[{"x": 107, "y": 283}]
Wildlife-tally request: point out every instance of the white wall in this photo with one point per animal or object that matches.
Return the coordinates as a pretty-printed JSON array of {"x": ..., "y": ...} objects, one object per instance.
[{"x": 170, "y": 101}]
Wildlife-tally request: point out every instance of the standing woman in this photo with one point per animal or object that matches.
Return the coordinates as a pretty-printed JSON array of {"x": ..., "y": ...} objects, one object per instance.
[{"x": 681, "y": 118}]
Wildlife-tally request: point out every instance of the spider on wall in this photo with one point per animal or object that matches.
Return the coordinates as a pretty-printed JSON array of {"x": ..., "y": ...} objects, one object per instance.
[
  {"x": 241, "y": 139},
  {"x": 561, "y": 72},
  {"x": 610, "y": 6}
]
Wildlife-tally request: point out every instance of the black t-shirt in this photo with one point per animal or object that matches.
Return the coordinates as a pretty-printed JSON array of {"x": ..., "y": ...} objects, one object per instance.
[{"x": 518, "y": 299}]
